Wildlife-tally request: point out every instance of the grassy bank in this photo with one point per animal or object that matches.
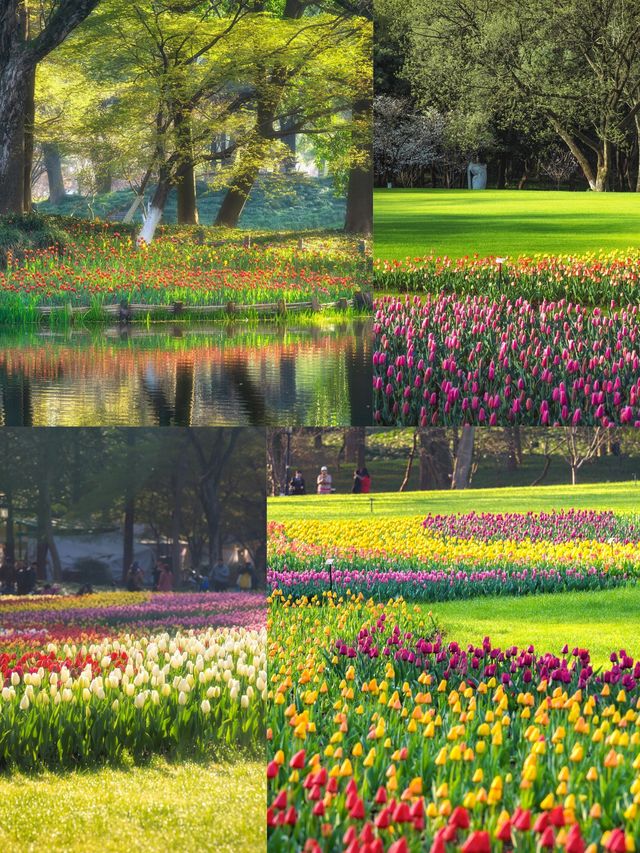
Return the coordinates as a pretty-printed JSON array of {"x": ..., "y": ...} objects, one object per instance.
[
  {"x": 599, "y": 621},
  {"x": 163, "y": 806},
  {"x": 621, "y": 497},
  {"x": 502, "y": 222}
]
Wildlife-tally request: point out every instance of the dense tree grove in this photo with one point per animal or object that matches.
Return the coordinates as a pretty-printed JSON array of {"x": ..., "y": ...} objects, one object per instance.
[
  {"x": 543, "y": 91},
  {"x": 200, "y": 486},
  {"x": 152, "y": 94}
]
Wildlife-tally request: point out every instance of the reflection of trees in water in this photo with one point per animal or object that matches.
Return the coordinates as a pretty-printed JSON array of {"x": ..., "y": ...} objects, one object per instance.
[
  {"x": 294, "y": 376},
  {"x": 15, "y": 400}
]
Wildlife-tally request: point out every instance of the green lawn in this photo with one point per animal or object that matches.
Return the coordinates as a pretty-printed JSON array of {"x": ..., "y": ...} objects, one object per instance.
[
  {"x": 502, "y": 222},
  {"x": 177, "y": 807},
  {"x": 622, "y": 497},
  {"x": 599, "y": 621}
]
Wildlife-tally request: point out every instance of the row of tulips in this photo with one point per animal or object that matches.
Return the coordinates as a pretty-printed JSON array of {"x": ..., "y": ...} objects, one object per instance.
[
  {"x": 558, "y": 540},
  {"x": 104, "y": 268},
  {"x": 589, "y": 280},
  {"x": 451, "y": 360},
  {"x": 201, "y": 692},
  {"x": 439, "y": 585},
  {"x": 382, "y": 737},
  {"x": 23, "y": 619}
]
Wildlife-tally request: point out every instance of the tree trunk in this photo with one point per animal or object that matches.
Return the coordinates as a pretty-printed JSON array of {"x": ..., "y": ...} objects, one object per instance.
[
  {"x": 603, "y": 174},
  {"x": 177, "y": 483},
  {"x": 412, "y": 456},
  {"x": 355, "y": 446},
  {"x": 129, "y": 504},
  {"x": 12, "y": 111},
  {"x": 359, "y": 216},
  {"x": 156, "y": 209},
  {"x": 436, "y": 465},
  {"x": 464, "y": 459},
  {"x": 583, "y": 160},
  {"x": 18, "y": 60},
  {"x": 248, "y": 166},
  {"x": 103, "y": 178},
  {"x": 27, "y": 141},
  {"x": 637, "y": 120},
  {"x": 53, "y": 165},
  {"x": 574, "y": 472},
  {"x": 185, "y": 173}
]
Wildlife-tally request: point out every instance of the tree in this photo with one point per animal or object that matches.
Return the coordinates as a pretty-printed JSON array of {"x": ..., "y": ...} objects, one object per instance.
[
  {"x": 464, "y": 459},
  {"x": 20, "y": 53}
]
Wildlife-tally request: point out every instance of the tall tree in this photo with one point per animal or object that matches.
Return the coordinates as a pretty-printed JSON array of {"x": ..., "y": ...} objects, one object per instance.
[{"x": 19, "y": 56}]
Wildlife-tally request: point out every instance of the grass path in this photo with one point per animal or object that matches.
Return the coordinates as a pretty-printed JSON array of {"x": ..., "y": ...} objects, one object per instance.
[
  {"x": 623, "y": 497},
  {"x": 599, "y": 621},
  {"x": 178, "y": 807},
  {"x": 503, "y": 222}
]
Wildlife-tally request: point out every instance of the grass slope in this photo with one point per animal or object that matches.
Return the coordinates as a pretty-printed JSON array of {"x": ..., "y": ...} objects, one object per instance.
[
  {"x": 599, "y": 621},
  {"x": 622, "y": 497},
  {"x": 502, "y": 222},
  {"x": 178, "y": 807}
]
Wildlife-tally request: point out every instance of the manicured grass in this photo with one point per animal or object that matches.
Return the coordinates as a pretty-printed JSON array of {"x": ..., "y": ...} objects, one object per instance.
[
  {"x": 503, "y": 222},
  {"x": 602, "y": 621},
  {"x": 162, "y": 807},
  {"x": 622, "y": 497}
]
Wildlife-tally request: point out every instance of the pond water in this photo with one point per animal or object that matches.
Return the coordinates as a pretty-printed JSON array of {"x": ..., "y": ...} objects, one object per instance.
[{"x": 258, "y": 373}]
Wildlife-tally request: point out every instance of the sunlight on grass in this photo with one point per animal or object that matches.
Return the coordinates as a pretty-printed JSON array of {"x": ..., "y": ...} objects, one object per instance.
[
  {"x": 161, "y": 807},
  {"x": 602, "y": 622},
  {"x": 621, "y": 497},
  {"x": 503, "y": 222}
]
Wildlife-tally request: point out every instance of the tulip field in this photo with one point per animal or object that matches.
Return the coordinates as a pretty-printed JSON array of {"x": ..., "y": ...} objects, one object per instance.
[
  {"x": 450, "y": 557},
  {"x": 474, "y": 683},
  {"x": 99, "y": 266},
  {"x": 157, "y": 698},
  {"x": 452, "y": 359},
  {"x": 383, "y": 736},
  {"x": 130, "y": 674}
]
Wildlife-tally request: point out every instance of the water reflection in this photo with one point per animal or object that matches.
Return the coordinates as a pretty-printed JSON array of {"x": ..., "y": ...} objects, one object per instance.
[{"x": 233, "y": 374}]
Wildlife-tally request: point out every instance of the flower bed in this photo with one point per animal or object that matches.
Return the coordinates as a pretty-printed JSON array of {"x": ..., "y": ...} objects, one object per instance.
[
  {"x": 383, "y": 737},
  {"x": 452, "y": 360},
  {"x": 100, "y": 678},
  {"x": 104, "y": 267},
  {"x": 445, "y": 557},
  {"x": 593, "y": 280}
]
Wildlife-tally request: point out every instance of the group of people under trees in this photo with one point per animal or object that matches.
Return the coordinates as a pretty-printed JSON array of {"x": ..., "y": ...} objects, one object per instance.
[
  {"x": 19, "y": 578},
  {"x": 220, "y": 578},
  {"x": 324, "y": 482}
]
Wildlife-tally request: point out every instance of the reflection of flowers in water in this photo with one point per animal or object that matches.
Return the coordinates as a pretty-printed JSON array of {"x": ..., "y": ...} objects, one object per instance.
[{"x": 84, "y": 356}]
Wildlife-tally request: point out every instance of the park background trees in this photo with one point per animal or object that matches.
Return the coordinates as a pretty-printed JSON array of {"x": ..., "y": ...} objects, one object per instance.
[
  {"x": 201, "y": 486},
  {"x": 544, "y": 91},
  {"x": 157, "y": 95},
  {"x": 451, "y": 458}
]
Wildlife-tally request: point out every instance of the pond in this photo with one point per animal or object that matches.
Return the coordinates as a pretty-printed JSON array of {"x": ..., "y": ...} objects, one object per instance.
[{"x": 244, "y": 373}]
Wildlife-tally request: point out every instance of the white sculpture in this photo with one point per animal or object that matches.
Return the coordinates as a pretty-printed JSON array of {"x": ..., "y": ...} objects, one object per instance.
[{"x": 477, "y": 176}]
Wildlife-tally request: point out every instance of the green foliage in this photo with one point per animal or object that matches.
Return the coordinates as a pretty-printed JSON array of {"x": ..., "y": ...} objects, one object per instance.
[
  {"x": 277, "y": 202},
  {"x": 21, "y": 233}
]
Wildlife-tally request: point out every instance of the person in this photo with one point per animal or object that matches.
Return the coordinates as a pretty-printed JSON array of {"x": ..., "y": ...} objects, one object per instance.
[
  {"x": 219, "y": 576},
  {"x": 165, "y": 579},
  {"x": 365, "y": 481},
  {"x": 135, "y": 578},
  {"x": 22, "y": 579},
  {"x": 297, "y": 485},
  {"x": 357, "y": 482},
  {"x": 324, "y": 481},
  {"x": 245, "y": 578}
]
